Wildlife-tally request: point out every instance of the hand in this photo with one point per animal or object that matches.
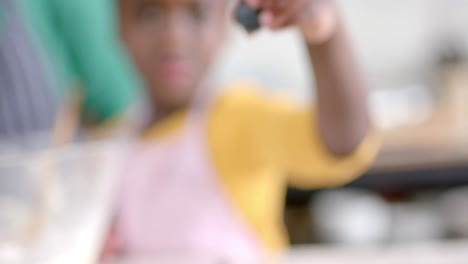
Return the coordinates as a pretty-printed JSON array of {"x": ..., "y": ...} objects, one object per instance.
[{"x": 317, "y": 19}]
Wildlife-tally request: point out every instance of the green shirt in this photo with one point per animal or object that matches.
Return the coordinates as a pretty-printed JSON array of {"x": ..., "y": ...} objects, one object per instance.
[{"x": 81, "y": 37}]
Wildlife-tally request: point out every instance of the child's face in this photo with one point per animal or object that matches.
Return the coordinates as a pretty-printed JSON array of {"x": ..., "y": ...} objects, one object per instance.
[{"x": 172, "y": 43}]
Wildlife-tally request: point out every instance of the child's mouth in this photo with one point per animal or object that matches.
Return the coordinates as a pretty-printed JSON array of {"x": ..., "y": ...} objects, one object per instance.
[{"x": 173, "y": 69}]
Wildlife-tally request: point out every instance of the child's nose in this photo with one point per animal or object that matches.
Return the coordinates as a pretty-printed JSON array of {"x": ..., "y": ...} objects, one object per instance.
[{"x": 176, "y": 32}]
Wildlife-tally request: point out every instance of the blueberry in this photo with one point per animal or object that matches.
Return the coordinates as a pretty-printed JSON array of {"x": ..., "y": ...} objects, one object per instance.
[{"x": 247, "y": 17}]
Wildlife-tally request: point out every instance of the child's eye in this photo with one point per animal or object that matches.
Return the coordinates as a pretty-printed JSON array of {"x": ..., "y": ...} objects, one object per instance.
[
  {"x": 149, "y": 13},
  {"x": 198, "y": 13}
]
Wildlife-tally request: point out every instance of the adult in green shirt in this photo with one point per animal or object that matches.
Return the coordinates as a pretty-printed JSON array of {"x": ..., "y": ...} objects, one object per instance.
[{"x": 81, "y": 37}]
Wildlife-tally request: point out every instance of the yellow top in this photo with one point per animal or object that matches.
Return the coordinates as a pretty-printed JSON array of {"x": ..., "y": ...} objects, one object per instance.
[{"x": 260, "y": 144}]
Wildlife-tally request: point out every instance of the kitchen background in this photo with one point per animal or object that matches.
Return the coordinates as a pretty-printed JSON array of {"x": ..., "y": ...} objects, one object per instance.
[{"x": 415, "y": 55}]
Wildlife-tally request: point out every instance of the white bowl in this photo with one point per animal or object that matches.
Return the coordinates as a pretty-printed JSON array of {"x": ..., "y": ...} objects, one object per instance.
[{"x": 55, "y": 206}]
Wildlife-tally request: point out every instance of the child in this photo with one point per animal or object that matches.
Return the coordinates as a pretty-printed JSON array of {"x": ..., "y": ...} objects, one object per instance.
[{"x": 211, "y": 176}]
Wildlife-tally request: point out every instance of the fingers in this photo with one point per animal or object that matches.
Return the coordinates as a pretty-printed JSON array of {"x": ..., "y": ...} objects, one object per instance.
[
  {"x": 267, "y": 18},
  {"x": 256, "y": 4},
  {"x": 267, "y": 4},
  {"x": 270, "y": 5},
  {"x": 277, "y": 13},
  {"x": 319, "y": 26},
  {"x": 287, "y": 15},
  {"x": 273, "y": 5}
]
